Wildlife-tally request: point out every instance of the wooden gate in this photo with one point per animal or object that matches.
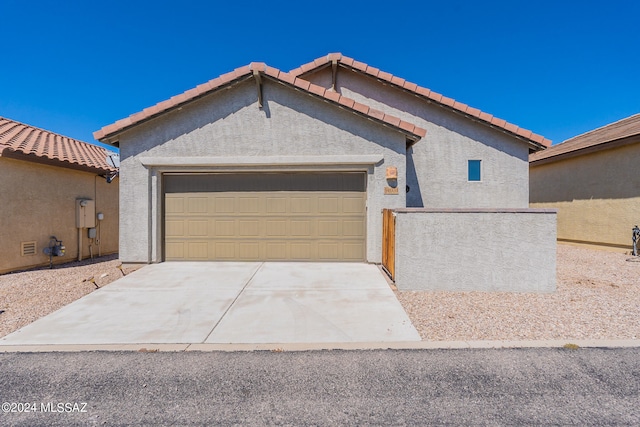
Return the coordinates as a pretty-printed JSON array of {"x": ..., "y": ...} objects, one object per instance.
[{"x": 389, "y": 242}]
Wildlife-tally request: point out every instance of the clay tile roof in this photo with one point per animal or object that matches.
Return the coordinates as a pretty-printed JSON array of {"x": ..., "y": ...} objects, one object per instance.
[
  {"x": 603, "y": 137},
  {"x": 413, "y": 132},
  {"x": 32, "y": 143},
  {"x": 537, "y": 141}
]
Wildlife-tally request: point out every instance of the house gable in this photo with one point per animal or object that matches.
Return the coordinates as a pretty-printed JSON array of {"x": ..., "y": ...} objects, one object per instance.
[
  {"x": 332, "y": 62},
  {"x": 283, "y": 128},
  {"x": 437, "y": 168}
]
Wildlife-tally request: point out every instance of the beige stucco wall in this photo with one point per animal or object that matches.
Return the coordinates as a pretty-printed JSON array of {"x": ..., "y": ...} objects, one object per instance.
[
  {"x": 38, "y": 201},
  {"x": 597, "y": 196}
]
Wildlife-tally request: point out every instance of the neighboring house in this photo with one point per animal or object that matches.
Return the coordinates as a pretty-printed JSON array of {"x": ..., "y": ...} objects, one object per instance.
[
  {"x": 593, "y": 180},
  {"x": 260, "y": 164},
  {"x": 43, "y": 179}
]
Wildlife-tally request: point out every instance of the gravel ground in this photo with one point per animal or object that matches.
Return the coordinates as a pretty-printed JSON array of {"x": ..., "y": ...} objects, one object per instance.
[
  {"x": 28, "y": 295},
  {"x": 598, "y": 297}
]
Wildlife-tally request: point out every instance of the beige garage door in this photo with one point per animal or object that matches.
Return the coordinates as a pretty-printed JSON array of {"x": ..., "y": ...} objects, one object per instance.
[{"x": 265, "y": 216}]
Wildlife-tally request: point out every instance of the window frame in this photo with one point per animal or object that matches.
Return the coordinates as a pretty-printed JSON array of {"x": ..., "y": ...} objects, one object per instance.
[{"x": 474, "y": 172}]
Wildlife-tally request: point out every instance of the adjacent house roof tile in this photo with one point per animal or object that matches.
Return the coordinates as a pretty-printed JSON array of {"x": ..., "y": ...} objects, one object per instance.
[
  {"x": 347, "y": 62},
  {"x": 41, "y": 145},
  {"x": 603, "y": 137},
  {"x": 413, "y": 132}
]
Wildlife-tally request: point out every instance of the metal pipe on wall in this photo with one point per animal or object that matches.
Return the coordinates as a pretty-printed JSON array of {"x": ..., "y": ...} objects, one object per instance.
[{"x": 79, "y": 244}]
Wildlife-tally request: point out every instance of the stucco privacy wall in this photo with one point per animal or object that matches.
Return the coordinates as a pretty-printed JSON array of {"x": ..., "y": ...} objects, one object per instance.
[
  {"x": 474, "y": 250},
  {"x": 226, "y": 131},
  {"x": 437, "y": 165},
  {"x": 38, "y": 201},
  {"x": 597, "y": 196}
]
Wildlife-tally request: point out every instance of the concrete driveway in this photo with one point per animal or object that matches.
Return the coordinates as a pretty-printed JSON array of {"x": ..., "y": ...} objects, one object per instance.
[{"x": 209, "y": 303}]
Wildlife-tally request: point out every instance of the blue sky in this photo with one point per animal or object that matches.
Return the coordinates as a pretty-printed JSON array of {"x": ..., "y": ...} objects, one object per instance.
[{"x": 559, "y": 68}]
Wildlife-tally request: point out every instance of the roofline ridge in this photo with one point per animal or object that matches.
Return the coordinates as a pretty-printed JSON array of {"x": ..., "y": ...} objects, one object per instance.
[
  {"x": 239, "y": 73},
  {"x": 598, "y": 128},
  {"x": 50, "y": 132},
  {"x": 424, "y": 92}
]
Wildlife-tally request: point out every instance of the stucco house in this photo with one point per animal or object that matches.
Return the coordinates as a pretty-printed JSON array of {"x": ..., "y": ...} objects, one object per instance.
[
  {"x": 593, "y": 181},
  {"x": 46, "y": 181},
  {"x": 260, "y": 164}
]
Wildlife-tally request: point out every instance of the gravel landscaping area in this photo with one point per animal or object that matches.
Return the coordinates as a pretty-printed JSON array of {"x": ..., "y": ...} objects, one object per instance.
[
  {"x": 28, "y": 295},
  {"x": 597, "y": 298}
]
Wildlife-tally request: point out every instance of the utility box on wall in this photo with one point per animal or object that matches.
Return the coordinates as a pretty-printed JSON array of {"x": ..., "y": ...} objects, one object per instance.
[{"x": 85, "y": 213}]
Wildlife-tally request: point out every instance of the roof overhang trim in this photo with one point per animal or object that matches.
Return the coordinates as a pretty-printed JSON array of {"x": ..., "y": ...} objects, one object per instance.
[
  {"x": 535, "y": 142},
  {"x": 603, "y": 146},
  {"x": 258, "y": 71},
  {"x": 17, "y": 155}
]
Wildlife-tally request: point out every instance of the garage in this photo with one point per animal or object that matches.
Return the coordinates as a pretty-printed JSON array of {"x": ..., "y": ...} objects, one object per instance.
[{"x": 319, "y": 216}]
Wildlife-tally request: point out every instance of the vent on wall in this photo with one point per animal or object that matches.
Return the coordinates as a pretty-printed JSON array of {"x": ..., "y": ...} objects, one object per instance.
[{"x": 27, "y": 248}]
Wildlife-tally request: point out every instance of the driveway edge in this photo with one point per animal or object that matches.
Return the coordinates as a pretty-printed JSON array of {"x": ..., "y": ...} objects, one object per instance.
[{"x": 281, "y": 347}]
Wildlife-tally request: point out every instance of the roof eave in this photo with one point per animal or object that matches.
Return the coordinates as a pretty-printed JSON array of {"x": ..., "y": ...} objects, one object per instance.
[
  {"x": 112, "y": 137},
  {"x": 603, "y": 146},
  {"x": 537, "y": 144},
  {"x": 411, "y": 136},
  {"x": 110, "y": 134},
  {"x": 17, "y": 155}
]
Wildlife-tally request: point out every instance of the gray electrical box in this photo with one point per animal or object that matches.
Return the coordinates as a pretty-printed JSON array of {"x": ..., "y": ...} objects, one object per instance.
[
  {"x": 85, "y": 213},
  {"x": 92, "y": 233}
]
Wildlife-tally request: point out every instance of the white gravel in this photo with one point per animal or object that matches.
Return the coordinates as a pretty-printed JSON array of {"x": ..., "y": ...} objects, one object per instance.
[{"x": 598, "y": 297}]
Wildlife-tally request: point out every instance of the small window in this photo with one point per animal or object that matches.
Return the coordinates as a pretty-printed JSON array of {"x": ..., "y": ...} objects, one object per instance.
[
  {"x": 474, "y": 170},
  {"x": 27, "y": 248}
]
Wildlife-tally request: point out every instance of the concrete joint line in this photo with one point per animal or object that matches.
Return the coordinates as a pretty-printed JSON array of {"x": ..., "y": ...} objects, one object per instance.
[{"x": 232, "y": 303}]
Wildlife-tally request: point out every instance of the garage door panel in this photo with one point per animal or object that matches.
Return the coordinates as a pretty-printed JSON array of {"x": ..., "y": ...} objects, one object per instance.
[
  {"x": 198, "y": 228},
  {"x": 198, "y": 205},
  {"x": 249, "y": 250},
  {"x": 302, "y": 217},
  {"x": 174, "y": 204},
  {"x": 353, "y": 228},
  {"x": 353, "y": 205},
  {"x": 249, "y": 227},
  {"x": 301, "y": 228},
  {"x": 198, "y": 250},
  {"x": 224, "y": 250},
  {"x": 328, "y": 228},
  {"x": 276, "y": 228},
  {"x": 301, "y": 251},
  {"x": 248, "y": 205},
  {"x": 328, "y": 205},
  {"x": 328, "y": 251},
  {"x": 224, "y": 205},
  {"x": 353, "y": 251},
  {"x": 276, "y": 205},
  {"x": 175, "y": 250},
  {"x": 225, "y": 227},
  {"x": 276, "y": 251},
  {"x": 174, "y": 228},
  {"x": 301, "y": 205}
]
